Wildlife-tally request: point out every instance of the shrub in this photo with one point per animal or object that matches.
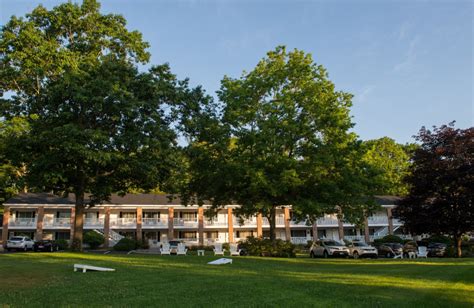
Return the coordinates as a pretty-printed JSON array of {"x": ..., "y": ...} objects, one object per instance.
[
  {"x": 63, "y": 244},
  {"x": 440, "y": 239},
  {"x": 264, "y": 247},
  {"x": 201, "y": 247},
  {"x": 93, "y": 239},
  {"x": 126, "y": 244}
]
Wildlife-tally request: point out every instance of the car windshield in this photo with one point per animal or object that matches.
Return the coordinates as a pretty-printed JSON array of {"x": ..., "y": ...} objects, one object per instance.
[
  {"x": 360, "y": 244},
  {"x": 332, "y": 243},
  {"x": 396, "y": 246},
  {"x": 16, "y": 239}
]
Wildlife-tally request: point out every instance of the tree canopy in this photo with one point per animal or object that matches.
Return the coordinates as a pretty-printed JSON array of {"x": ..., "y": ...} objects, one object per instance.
[
  {"x": 440, "y": 180},
  {"x": 281, "y": 138}
]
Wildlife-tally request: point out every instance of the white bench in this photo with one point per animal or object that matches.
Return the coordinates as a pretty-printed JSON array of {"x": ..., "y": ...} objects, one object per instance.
[{"x": 92, "y": 268}]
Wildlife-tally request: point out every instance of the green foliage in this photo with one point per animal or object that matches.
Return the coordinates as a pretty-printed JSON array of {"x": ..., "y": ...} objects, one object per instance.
[
  {"x": 392, "y": 161},
  {"x": 93, "y": 239},
  {"x": 389, "y": 239},
  {"x": 63, "y": 244},
  {"x": 282, "y": 137},
  {"x": 267, "y": 248},
  {"x": 440, "y": 239},
  {"x": 201, "y": 247},
  {"x": 127, "y": 244}
]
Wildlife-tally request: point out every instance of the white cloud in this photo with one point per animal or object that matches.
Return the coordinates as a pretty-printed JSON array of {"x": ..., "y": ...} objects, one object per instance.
[
  {"x": 406, "y": 64},
  {"x": 364, "y": 93}
]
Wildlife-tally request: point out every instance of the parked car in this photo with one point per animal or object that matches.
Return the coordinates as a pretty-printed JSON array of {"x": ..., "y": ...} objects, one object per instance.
[
  {"x": 410, "y": 246},
  {"x": 437, "y": 249},
  {"x": 20, "y": 243},
  {"x": 174, "y": 246},
  {"x": 389, "y": 250},
  {"x": 328, "y": 248},
  {"x": 46, "y": 245},
  {"x": 361, "y": 249}
]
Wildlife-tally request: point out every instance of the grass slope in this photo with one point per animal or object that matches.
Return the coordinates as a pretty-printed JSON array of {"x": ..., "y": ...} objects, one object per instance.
[{"x": 43, "y": 279}]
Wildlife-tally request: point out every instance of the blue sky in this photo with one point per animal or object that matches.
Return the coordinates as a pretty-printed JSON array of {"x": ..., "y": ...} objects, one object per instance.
[{"x": 408, "y": 63}]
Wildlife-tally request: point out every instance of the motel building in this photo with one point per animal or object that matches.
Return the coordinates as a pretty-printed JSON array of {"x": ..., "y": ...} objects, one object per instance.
[{"x": 156, "y": 219}]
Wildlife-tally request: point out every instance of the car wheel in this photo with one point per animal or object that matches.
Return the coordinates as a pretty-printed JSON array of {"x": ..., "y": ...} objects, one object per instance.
[
  {"x": 311, "y": 254},
  {"x": 355, "y": 254},
  {"x": 25, "y": 249},
  {"x": 325, "y": 254},
  {"x": 389, "y": 255}
]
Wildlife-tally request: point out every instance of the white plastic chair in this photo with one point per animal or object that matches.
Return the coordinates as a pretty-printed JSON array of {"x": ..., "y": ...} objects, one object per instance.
[
  {"x": 218, "y": 251},
  {"x": 422, "y": 252},
  {"x": 181, "y": 250},
  {"x": 165, "y": 249},
  {"x": 400, "y": 256},
  {"x": 234, "y": 251}
]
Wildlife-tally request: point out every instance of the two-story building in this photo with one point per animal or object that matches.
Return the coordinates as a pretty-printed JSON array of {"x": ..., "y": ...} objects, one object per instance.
[{"x": 157, "y": 218}]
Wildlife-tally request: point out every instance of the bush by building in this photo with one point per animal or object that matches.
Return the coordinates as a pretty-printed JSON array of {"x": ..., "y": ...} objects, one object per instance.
[
  {"x": 264, "y": 247},
  {"x": 93, "y": 239}
]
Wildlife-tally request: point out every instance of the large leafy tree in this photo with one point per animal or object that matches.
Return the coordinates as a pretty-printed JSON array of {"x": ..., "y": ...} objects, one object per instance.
[
  {"x": 392, "y": 160},
  {"x": 97, "y": 125},
  {"x": 279, "y": 137},
  {"x": 440, "y": 199}
]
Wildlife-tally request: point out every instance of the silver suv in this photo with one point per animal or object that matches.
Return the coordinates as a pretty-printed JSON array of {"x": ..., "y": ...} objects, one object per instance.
[
  {"x": 361, "y": 249},
  {"x": 328, "y": 248}
]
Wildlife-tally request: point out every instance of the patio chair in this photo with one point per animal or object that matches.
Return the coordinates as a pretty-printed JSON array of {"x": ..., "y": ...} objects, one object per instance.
[
  {"x": 218, "y": 249},
  {"x": 181, "y": 250},
  {"x": 422, "y": 252},
  {"x": 165, "y": 249},
  {"x": 234, "y": 251},
  {"x": 399, "y": 256}
]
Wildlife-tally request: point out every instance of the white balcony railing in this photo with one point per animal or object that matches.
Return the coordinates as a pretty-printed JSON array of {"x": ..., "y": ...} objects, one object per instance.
[
  {"x": 154, "y": 222},
  {"x": 327, "y": 222},
  {"x": 22, "y": 222},
  {"x": 377, "y": 220},
  {"x": 63, "y": 222},
  {"x": 185, "y": 222},
  {"x": 249, "y": 222},
  {"x": 124, "y": 222},
  {"x": 298, "y": 223},
  {"x": 300, "y": 240},
  {"x": 94, "y": 222},
  {"x": 215, "y": 223}
]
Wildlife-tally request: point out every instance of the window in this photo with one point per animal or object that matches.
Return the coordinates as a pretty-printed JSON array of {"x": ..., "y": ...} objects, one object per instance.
[
  {"x": 29, "y": 214},
  {"x": 188, "y": 215},
  {"x": 245, "y": 234},
  {"x": 152, "y": 235},
  {"x": 151, "y": 214},
  {"x": 63, "y": 214},
  {"x": 62, "y": 236},
  {"x": 212, "y": 234},
  {"x": 187, "y": 234},
  {"x": 298, "y": 233},
  {"x": 322, "y": 233},
  {"x": 349, "y": 231},
  {"x": 128, "y": 214}
]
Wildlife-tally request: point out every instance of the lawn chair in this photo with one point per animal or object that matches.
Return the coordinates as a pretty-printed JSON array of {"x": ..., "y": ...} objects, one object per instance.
[
  {"x": 422, "y": 252},
  {"x": 218, "y": 249},
  {"x": 165, "y": 249},
  {"x": 399, "y": 256},
  {"x": 234, "y": 251},
  {"x": 181, "y": 250}
]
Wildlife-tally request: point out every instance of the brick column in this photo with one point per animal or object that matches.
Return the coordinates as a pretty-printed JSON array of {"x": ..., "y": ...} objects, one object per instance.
[
  {"x": 170, "y": 223},
  {"x": 73, "y": 218},
  {"x": 201, "y": 225},
  {"x": 286, "y": 212},
  {"x": 315, "y": 231},
  {"x": 230, "y": 225},
  {"x": 366, "y": 230},
  {"x": 259, "y": 225},
  {"x": 107, "y": 227},
  {"x": 390, "y": 220},
  {"x": 39, "y": 224},
  {"x": 6, "y": 217},
  {"x": 139, "y": 224}
]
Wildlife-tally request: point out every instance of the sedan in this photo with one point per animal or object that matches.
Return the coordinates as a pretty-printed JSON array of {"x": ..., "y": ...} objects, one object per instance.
[
  {"x": 389, "y": 250},
  {"x": 46, "y": 245},
  {"x": 20, "y": 243}
]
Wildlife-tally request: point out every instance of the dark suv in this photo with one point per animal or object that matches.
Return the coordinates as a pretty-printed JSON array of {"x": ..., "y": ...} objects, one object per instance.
[
  {"x": 410, "y": 246},
  {"x": 437, "y": 249},
  {"x": 389, "y": 250}
]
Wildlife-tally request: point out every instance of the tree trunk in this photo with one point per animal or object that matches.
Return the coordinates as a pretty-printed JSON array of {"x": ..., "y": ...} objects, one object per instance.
[
  {"x": 272, "y": 221},
  {"x": 78, "y": 223},
  {"x": 458, "y": 243}
]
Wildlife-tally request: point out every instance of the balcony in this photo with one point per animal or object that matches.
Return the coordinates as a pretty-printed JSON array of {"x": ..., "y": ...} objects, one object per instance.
[
  {"x": 377, "y": 220},
  {"x": 185, "y": 222},
  {"x": 22, "y": 222},
  {"x": 327, "y": 222},
  {"x": 301, "y": 223},
  {"x": 94, "y": 223},
  {"x": 215, "y": 223},
  {"x": 154, "y": 222},
  {"x": 124, "y": 222},
  {"x": 63, "y": 222},
  {"x": 249, "y": 222},
  {"x": 280, "y": 221}
]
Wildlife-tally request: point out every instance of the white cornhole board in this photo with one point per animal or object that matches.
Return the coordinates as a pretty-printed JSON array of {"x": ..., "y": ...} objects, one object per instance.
[
  {"x": 92, "y": 268},
  {"x": 221, "y": 261}
]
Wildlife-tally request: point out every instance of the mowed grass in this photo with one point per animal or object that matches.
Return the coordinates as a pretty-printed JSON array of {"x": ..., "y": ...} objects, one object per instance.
[{"x": 44, "y": 279}]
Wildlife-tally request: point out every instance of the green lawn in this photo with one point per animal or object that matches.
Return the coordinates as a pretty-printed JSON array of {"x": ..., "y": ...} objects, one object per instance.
[{"x": 43, "y": 279}]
